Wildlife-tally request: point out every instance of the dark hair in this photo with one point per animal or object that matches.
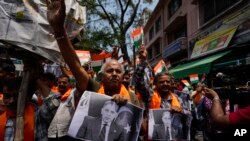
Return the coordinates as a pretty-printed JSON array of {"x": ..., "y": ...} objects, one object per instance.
[
  {"x": 12, "y": 83},
  {"x": 7, "y": 65},
  {"x": 63, "y": 75},
  {"x": 48, "y": 76},
  {"x": 126, "y": 72},
  {"x": 15, "y": 84},
  {"x": 162, "y": 74}
]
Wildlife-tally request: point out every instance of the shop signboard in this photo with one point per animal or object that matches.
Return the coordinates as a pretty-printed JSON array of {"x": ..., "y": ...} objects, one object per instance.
[{"x": 214, "y": 42}]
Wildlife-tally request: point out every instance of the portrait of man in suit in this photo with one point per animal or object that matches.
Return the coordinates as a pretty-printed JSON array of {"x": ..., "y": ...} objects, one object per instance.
[
  {"x": 164, "y": 131},
  {"x": 127, "y": 119},
  {"x": 102, "y": 128}
]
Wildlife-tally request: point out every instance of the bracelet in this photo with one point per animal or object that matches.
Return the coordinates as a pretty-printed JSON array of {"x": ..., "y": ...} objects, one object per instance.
[{"x": 216, "y": 98}]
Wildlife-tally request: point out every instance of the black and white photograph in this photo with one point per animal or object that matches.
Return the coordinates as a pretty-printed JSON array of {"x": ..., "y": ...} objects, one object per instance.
[
  {"x": 98, "y": 117},
  {"x": 164, "y": 125},
  {"x": 186, "y": 116},
  {"x": 183, "y": 97}
]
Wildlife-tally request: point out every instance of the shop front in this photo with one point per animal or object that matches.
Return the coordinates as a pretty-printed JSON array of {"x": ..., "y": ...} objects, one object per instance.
[{"x": 201, "y": 66}]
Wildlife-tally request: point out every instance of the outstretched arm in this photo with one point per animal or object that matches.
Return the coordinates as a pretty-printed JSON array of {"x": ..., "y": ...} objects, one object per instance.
[
  {"x": 56, "y": 16},
  {"x": 141, "y": 85},
  {"x": 218, "y": 116}
]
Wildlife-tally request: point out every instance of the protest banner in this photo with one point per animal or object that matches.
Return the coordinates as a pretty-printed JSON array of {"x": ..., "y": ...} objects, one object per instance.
[{"x": 24, "y": 24}]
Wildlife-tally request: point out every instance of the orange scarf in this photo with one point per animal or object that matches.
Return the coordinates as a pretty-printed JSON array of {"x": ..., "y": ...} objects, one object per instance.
[
  {"x": 156, "y": 101},
  {"x": 29, "y": 123},
  {"x": 66, "y": 95},
  {"x": 123, "y": 91},
  {"x": 54, "y": 89}
]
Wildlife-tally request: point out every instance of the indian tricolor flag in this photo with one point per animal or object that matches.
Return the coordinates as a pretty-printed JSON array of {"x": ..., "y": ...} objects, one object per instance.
[
  {"x": 168, "y": 64},
  {"x": 137, "y": 36},
  {"x": 84, "y": 56},
  {"x": 194, "y": 78},
  {"x": 160, "y": 67},
  {"x": 185, "y": 82},
  {"x": 99, "y": 59}
]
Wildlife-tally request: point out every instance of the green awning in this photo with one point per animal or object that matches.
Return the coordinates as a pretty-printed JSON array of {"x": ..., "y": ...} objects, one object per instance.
[
  {"x": 196, "y": 67},
  {"x": 232, "y": 63}
]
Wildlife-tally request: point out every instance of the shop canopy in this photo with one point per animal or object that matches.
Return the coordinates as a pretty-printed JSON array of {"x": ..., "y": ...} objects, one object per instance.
[{"x": 196, "y": 67}]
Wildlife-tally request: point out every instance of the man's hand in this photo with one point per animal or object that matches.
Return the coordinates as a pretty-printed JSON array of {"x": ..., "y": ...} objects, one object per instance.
[
  {"x": 210, "y": 93},
  {"x": 56, "y": 15},
  {"x": 115, "y": 53},
  {"x": 119, "y": 99}
]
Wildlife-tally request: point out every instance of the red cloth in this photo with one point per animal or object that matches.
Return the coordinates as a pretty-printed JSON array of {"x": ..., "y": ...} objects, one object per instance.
[
  {"x": 241, "y": 116},
  {"x": 179, "y": 88}
]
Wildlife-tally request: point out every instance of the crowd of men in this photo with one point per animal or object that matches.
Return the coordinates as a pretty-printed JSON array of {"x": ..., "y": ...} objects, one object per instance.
[{"x": 50, "y": 106}]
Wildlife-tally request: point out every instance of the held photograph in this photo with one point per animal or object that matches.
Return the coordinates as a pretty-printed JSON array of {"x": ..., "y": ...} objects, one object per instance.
[
  {"x": 165, "y": 125},
  {"x": 98, "y": 117}
]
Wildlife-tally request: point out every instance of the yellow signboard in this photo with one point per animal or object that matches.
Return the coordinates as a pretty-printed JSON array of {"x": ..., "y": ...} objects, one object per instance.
[{"x": 216, "y": 41}]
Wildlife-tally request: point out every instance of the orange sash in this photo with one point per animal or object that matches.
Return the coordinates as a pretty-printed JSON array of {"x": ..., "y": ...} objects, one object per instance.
[
  {"x": 29, "y": 123},
  {"x": 66, "y": 95},
  {"x": 54, "y": 89},
  {"x": 156, "y": 101},
  {"x": 123, "y": 91}
]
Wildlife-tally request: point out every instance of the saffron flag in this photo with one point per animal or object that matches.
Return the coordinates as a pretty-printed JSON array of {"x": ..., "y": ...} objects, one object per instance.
[
  {"x": 137, "y": 36},
  {"x": 194, "y": 78},
  {"x": 101, "y": 56},
  {"x": 160, "y": 67}
]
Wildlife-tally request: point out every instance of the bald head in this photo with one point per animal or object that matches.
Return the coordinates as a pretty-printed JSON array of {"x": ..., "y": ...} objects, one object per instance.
[
  {"x": 112, "y": 61},
  {"x": 112, "y": 74}
]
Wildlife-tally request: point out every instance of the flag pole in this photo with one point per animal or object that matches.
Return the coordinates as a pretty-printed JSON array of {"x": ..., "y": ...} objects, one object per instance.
[{"x": 134, "y": 56}]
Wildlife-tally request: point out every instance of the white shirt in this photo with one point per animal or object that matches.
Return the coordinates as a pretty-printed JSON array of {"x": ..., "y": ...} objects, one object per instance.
[
  {"x": 169, "y": 131},
  {"x": 107, "y": 129}
]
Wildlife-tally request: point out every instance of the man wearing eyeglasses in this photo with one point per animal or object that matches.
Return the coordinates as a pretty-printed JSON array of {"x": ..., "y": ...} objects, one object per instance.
[{"x": 102, "y": 128}]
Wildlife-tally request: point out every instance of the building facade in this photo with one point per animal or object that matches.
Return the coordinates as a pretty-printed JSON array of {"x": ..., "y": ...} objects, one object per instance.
[
  {"x": 169, "y": 30},
  {"x": 199, "y": 36}
]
